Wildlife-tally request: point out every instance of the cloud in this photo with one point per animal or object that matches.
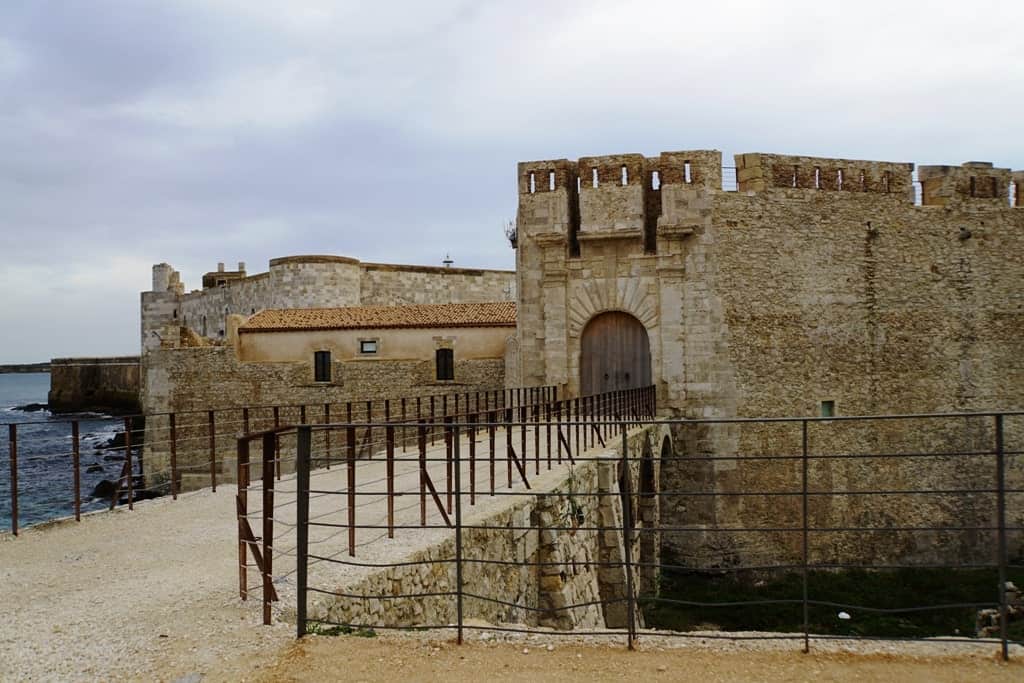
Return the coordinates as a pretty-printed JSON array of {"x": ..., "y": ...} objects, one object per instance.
[{"x": 197, "y": 131}]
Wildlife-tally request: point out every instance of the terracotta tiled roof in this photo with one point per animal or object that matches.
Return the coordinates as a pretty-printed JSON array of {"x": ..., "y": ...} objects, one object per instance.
[{"x": 496, "y": 314}]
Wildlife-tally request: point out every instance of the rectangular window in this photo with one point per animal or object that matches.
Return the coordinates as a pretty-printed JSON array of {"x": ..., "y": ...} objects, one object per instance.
[
  {"x": 322, "y": 366},
  {"x": 444, "y": 360},
  {"x": 828, "y": 408},
  {"x": 368, "y": 346}
]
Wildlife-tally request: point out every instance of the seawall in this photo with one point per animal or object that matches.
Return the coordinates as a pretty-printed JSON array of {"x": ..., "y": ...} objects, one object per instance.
[{"x": 108, "y": 384}]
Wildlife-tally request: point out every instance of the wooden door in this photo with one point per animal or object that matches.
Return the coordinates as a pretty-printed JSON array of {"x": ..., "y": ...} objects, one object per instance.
[{"x": 614, "y": 354}]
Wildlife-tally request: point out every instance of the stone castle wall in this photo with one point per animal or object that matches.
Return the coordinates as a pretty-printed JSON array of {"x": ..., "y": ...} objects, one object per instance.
[
  {"x": 190, "y": 381},
  {"x": 311, "y": 282},
  {"x": 80, "y": 384},
  {"x": 553, "y": 568},
  {"x": 819, "y": 280}
]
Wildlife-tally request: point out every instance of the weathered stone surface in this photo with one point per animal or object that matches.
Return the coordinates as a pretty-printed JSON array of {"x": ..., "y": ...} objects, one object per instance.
[{"x": 819, "y": 280}]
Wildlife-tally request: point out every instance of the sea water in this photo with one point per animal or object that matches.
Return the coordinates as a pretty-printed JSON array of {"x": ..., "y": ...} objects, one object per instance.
[{"x": 45, "y": 464}]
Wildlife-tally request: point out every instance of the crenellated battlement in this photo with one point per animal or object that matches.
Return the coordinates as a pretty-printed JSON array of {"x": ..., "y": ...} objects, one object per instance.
[
  {"x": 621, "y": 196},
  {"x": 758, "y": 172},
  {"x": 973, "y": 181}
]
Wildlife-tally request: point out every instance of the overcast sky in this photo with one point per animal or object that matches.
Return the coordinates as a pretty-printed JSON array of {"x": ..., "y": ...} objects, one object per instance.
[{"x": 195, "y": 131}]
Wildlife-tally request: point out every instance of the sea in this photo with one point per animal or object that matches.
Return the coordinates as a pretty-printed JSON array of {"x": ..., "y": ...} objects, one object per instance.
[{"x": 45, "y": 464}]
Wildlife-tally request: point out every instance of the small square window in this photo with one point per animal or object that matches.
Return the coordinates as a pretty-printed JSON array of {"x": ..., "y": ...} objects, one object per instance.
[
  {"x": 828, "y": 408},
  {"x": 368, "y": 346},
  {"x": 322, "y": 366}
]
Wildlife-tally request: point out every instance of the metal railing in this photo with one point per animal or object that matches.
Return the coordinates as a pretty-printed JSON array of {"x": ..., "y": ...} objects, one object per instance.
[
  {"x": 544, "y": 433},
  {"x": 812, "y": 489},
  {"x": 52, "y": 459}
]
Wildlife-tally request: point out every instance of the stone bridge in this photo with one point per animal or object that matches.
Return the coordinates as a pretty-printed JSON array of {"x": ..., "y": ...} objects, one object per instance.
[{"x": 552, "y": 536}]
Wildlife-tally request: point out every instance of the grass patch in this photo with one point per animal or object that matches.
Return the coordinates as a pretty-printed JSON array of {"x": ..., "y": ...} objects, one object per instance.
[
  {"x": 316, "y": 628},
  {"x": 888, "y": 589}
]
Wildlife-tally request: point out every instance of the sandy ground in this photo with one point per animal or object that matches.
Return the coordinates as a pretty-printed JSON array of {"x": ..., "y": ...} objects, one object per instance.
[
  {"x": 542, "y": 659},
  {"x": 152, "y": 595}
]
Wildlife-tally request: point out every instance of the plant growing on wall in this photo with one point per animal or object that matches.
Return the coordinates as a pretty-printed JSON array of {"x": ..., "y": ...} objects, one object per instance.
[{"x": 574, "y": 514}]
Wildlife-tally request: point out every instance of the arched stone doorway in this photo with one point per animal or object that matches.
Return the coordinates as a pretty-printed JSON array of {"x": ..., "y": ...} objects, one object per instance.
[{"x": 615, "y": 353}]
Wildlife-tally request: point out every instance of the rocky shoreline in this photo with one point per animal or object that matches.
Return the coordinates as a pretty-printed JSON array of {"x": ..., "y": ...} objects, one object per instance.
[{"x": 24, "y": 368}]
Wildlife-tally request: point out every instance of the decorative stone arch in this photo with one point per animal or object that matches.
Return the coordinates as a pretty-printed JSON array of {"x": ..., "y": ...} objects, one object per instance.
[{"x": 588, "y": 299}]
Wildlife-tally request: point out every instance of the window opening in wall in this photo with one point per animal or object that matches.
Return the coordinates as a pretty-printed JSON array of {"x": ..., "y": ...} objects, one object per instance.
[
  {"x": 974, "y": 186},
  {"x": 817, "y": 177},
  {"x": 1012, "y": 194},
  {"x": 995, "y": 188},
  {"x": 885, "y": 181},
  {"x": 863, "y": 181},
  {"x": 444, "y": 362},
  {"x": 368, "y": 346},
  {"x": 828, "y": 408},
  {"x": 655, "y": 181},
  {"x": 839, "y": 179},
  {"x": 204, "y": 325},
  {"x": 222, "y": 283},
  {"x": 252, "y": 311},
  {"x": 793, "y": 180},
  {"x": 175, "y": 313},
  {"x": 533, "y": 183},
  {"x": 579, "y": 184},
  {"x": 593, "y": 176},
  {"x": 625, "y": 175},
  {"x": 551, "y": 180},
  {"x": 322, "y": 366},
  {"x": 687, "y": 177}
]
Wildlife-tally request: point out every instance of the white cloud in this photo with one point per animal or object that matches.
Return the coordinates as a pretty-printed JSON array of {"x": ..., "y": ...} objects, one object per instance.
[
  {"x": 12, "y": 60},
  {"x": 278, "y": 96}
]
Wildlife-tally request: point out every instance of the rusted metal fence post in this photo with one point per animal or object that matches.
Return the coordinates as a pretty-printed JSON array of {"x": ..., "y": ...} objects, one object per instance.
[
  {"x": 277, "y": 452},
  {"x": 213, "y": 451},
  {"x": 1001, "y": 523},
  {"x": 76, "y": 467},
  {"x": 627, "y": 541},
  {"x": 174, "y": 455},
  {"x": 327, "y": 434},
  {"x": 803, "y": 517},
  {"x": 472, "y": 454},
  {"x": 491, "y": 427},
  {"x": 268, "y": 524},
  {"x": 128, "y": 462},
  {"x": 389, "y": 437},
  {"x": 242, "y": 505},
  {"x": 12, "y": 433},
  {"x": 422, "y": 445},
  {"x": 448, "y": 457},
  {"x": 302, "y": 455},
  {"x": 350, "y": 437},
  {"x": 458, "y": 537}
]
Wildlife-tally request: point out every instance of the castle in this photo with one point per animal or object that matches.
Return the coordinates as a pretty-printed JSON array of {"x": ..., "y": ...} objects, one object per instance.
[{"x": 816, "y": 287}]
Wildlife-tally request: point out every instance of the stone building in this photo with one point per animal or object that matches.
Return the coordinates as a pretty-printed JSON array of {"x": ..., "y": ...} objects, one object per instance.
[
  {"x": 248, "y": 340},
  {"x": 817, "y": 287}
]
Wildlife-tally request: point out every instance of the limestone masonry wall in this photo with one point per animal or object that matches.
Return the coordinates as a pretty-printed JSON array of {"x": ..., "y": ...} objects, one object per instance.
[
  {"x": 78, "y": 384},
  {"x": 818, "y": 280},
  {"x": 310, "y": 282},
  {"x": 553, "y": 567}
]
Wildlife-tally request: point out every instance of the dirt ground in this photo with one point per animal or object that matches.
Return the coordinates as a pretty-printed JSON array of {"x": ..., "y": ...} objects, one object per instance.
[{"x": 392, "y": 659}]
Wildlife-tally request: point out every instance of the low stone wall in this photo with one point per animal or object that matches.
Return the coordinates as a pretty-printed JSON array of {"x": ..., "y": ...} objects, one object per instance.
[
  {"x": 78, "y": 384},
  {"x": 552, "y": 565}
]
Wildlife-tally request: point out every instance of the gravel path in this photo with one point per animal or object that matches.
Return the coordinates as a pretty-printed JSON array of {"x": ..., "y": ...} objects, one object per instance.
[
  {"x": 143, "y": 595},
  {"x": 152, "y": 595}
]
